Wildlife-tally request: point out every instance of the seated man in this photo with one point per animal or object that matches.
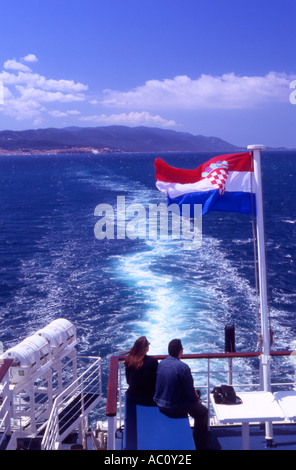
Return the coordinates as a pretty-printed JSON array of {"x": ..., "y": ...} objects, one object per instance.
[{"x": 175, "y": 395}]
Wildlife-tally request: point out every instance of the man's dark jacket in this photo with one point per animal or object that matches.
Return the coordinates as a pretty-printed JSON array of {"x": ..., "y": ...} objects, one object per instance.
[{"x": 174, "y": 385}]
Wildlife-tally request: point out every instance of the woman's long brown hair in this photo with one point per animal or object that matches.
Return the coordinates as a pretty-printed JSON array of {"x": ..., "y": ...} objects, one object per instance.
[{"x": 137, "y": 353}]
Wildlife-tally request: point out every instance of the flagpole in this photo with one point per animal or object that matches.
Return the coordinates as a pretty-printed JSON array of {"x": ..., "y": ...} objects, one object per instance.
[{"x": 262, "y": 272}]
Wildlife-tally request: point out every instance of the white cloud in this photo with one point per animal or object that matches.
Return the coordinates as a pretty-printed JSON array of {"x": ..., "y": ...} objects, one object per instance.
[
  {"x": 34, "y": 80},
  {"x": 60, "y": 85},
  {"x": 130, "y": 119},
  {"x": 26, "y": 93},
  {"x": 14, "y": 65},
  {"x": 30, "y": 58},
  {"x": 57, "y": 113},
  {"x": 23, "y": 109},
  {"x": 30, "y": 95},
  {"x": 228, "y": 91}
]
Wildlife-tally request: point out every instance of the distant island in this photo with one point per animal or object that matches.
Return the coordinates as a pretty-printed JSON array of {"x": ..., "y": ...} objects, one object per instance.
[{"x": 107, "y": 139}]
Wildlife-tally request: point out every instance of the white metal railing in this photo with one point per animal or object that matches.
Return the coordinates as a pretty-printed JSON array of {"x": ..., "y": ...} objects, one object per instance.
[
  {"x": 208, "y": 370},
  {"x": 33, "y": 397},
  {"x": 72, "y": 405},
  {"x": 5, "y": 409}
]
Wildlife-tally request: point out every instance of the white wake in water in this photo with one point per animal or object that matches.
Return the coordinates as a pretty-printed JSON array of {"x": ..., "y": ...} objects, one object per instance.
[{"x": 184, "y": 294}]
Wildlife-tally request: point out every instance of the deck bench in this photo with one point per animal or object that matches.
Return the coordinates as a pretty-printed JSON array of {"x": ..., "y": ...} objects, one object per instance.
[{"x": 146, "y": 428}]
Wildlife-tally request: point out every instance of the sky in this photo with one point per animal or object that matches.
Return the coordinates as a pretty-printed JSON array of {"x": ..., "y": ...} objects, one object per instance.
[{"x": 223, "y": 68}]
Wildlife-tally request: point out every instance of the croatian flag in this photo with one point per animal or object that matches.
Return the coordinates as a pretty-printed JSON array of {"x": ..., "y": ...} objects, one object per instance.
[{"x": 223, "y": 183}]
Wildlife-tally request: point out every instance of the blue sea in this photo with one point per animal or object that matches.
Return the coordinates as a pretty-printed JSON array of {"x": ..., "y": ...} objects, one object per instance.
[{"x": 115, "y": 290}]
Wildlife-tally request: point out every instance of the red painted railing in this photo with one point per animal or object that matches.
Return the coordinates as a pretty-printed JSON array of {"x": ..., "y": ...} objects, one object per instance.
[{"x": 111, "y": 408}]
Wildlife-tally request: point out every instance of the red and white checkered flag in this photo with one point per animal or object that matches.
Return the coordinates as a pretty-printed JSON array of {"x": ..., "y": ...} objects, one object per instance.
[{"x": 217, "y": 173}]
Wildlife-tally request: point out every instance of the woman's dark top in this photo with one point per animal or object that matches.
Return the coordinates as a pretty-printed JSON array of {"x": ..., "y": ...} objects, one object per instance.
[{"x": 142, "y": 381}]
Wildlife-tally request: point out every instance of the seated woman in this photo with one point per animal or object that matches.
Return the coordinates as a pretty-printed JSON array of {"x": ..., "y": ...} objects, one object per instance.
[{"x": 140, "y": 372}]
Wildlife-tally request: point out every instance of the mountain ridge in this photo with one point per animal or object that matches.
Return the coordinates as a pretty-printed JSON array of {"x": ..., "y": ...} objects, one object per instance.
[{"x": 108, "y": 139}]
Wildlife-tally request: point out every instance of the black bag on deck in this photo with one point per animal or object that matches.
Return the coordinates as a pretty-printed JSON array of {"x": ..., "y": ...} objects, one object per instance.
[{"x": 225, "y": 395}]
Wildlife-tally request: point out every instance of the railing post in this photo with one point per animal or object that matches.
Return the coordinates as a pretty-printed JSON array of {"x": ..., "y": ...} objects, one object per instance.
[
  {"x": 32, "y": 410},
  {"x": 208, "y": 387},
  {"x": 230, "y": 377},
  {"x": 111, "y": 432},
  {"x": 111, "y": 410}
]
